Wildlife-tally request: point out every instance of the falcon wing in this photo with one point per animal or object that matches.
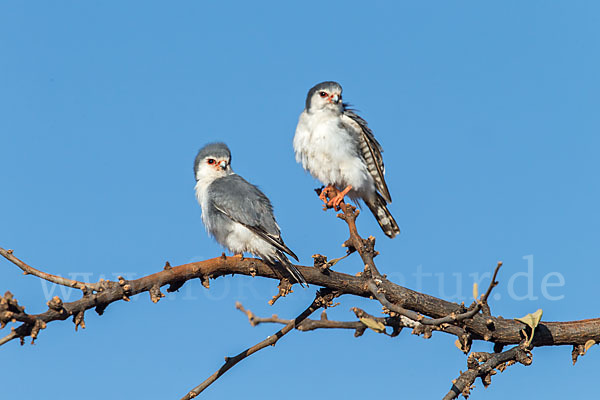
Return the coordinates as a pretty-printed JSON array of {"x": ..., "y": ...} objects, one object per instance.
[
  {"x": 371, "y": 150},
  {"x": 244, "y": 203}
]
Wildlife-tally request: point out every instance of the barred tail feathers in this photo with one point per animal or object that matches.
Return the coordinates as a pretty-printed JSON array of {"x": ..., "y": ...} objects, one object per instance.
[
  {"x": 291, "y": 268},
  {"x": 386, "y": 221}
]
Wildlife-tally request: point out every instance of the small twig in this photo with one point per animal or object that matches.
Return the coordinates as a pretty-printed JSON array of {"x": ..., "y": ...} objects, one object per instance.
[
  {"x": 284, "y": 288},
  {"x": 451, "y": 318},
  {"x": 323, "y": 298},
  {"x": 397, "y": 323},
  {"x": 8, "y": 337},
  {"x": 325, "y": 323},
  {"x": 29, "y": 270},
  {"x": 489, "y": 361},
  {"x": 304, "y": 326},
  {"x": 320, "y": 261},
  {"x": 365, "y": 247}
]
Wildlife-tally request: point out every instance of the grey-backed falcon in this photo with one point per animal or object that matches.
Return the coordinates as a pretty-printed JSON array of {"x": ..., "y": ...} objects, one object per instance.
[{"x": 236, "y": 213}]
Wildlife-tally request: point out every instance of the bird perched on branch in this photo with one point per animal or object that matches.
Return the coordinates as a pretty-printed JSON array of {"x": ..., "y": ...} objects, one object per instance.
[
  {"x": 337, "y": 147},
  {"x": 236, "y": 213}
]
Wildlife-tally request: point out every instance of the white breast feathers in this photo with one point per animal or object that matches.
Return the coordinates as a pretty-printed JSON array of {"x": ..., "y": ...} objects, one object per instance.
[{"x": 329, "y": 151}]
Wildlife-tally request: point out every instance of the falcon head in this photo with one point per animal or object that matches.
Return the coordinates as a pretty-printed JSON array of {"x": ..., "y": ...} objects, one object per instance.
[
  {"x": 325, "y": 96},
  {"x": 212, "y": 162}
]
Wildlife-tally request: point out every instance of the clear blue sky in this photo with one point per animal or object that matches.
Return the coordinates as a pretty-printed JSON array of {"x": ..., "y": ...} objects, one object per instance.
[{"x": 489, "y": 119}]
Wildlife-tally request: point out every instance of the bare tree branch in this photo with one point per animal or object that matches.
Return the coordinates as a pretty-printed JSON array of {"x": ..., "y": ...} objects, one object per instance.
[
  {"x": 324, "y": 322},
  {"x": 322, "y": 299},
  {"x": 405, "y": 308},
  {"x": 463, "y": 384},
  {"x": 59, "y": 280},
  {"x": 8, "y": 337},
  {"x": 451, "y": 318},
  {"x": 505, "y": 331}
]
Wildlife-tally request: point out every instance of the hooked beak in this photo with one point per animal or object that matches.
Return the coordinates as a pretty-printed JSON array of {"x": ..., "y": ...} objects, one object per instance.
[
  {"x": 335, "y": 98},
  {"x": 223, "y": 165}
]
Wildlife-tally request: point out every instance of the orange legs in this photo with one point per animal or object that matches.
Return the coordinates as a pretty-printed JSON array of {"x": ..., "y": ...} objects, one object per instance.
[
  {"x": 335, "y": 201},
  {"x": 335, "y": 196},
  {"x": 325, "y": 193}
]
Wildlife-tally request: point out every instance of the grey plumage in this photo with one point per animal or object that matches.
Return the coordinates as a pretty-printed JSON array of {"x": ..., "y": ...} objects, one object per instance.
[
  {"x": 327, "y": 85},
  {"x": 243, "y": 202},
  {"x": 217, "y": 150},
  {"x": 337, "y": 147},
  {"x": 236, "y": 213}
]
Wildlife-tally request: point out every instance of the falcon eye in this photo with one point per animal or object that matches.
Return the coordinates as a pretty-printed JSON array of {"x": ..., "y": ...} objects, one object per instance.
[
  {"x": 211, "y": 161},
  {"x": 323, "y": 94}
]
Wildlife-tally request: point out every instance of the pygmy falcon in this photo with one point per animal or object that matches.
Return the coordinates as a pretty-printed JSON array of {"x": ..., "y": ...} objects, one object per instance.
[
  {"x": 337, "y": 147},
  {"x": 236, "y": 213}
]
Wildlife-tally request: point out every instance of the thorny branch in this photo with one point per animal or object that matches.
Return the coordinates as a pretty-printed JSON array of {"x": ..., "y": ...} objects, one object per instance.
[{"x": 405, "y": 308}]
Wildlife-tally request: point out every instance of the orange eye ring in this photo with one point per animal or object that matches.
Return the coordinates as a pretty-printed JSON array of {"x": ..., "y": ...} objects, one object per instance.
[
  {"x": 211, "y": 161},
  {"x": 323, "y": 94}
]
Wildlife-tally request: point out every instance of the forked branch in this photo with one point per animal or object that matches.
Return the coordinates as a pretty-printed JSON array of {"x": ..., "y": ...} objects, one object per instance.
[
  {"x": 405, "y": 308},
  {"x": 323, "y": 298}
]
